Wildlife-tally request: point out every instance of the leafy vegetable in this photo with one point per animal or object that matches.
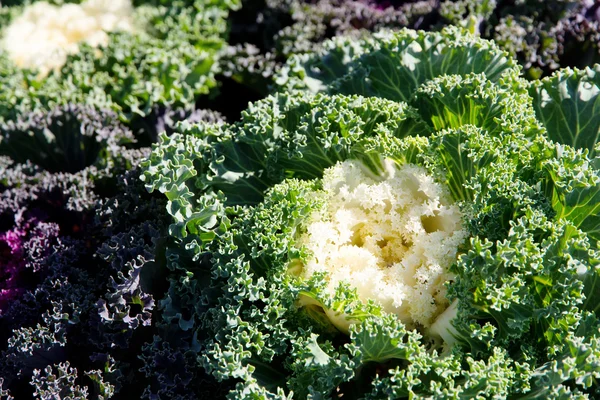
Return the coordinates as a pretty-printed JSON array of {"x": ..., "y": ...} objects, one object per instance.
[
  {"x": 543, "y": 36},
  {"x": 68, "y": 138},
  {"x": 81, "y": 259},
  {"x": 264, "y": 34},
  {"x": 79, "y": 293},
  {"x": 257, "y": 207},
  {"x": 43, "y": 35},
  {"x": 168, "y": 60}
]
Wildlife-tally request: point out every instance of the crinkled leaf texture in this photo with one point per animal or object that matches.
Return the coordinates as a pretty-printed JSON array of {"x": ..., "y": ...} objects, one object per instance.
[
  {"x": 523, "y": 321},
  {"x": 68, "y": 138},
  {"x": 167, "y": 61}
]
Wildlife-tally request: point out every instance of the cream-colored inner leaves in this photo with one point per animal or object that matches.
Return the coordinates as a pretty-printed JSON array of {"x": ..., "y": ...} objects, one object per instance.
[
  {"x": 392, "y": 239},
  {"x": 44, "y": 35}
]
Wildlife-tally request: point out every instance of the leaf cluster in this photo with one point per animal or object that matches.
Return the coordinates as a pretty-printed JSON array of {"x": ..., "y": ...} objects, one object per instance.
[{"x": 524, "y": 321}]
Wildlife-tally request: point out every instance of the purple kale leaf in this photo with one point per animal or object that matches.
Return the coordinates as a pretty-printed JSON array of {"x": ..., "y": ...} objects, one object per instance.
[
  {"x": 67, "y": 138},
  {"x": 23, "y": 251}
]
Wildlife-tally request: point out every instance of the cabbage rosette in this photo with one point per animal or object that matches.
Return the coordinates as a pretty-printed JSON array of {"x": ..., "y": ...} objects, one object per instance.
[
  {"x": 398, "y": 222},
  {"x": 129, "y": 56}
]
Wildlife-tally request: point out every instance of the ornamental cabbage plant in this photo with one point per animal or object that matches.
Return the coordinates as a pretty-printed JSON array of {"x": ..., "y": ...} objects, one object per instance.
[
  {"x": 136, "y": 58},
  {"x": 43, "y": 35},
  {"x": 407, "y": 218},
  {"x": 543, "y": 35}
]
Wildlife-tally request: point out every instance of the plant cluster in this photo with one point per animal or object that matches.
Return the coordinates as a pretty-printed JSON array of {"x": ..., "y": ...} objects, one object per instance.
[
  {"x": 398, "y": 213},
  {"x": 419, "y": 147},
  {"x": 543, "y": 35}
]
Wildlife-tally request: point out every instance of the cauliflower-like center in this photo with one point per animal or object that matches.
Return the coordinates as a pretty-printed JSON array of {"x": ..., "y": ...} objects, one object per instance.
[
  {"x": 44, "y": 35},
  {"x": 393, "y": 239}
]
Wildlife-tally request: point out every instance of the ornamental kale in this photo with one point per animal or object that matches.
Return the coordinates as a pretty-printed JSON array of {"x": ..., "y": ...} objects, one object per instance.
[
  {"x": 23, "y": 250},
  {"x": 36, "y": 205},
  {"x": 92, "y": 294},
  {"x": 154, "y": 55},
  {"x": 265, "y": 33},
  {"x": 402, "y": 220},
  {"x": 68, "y": 138},
  {"x": 71, "y": 277},
  {"x": 542, "y": 35},
  {"x": 81, "y": 259}
]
